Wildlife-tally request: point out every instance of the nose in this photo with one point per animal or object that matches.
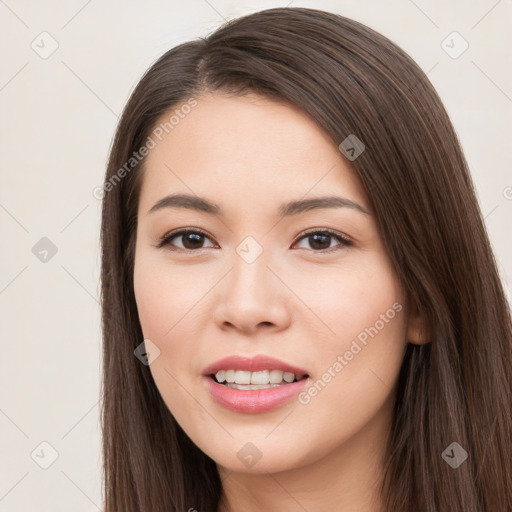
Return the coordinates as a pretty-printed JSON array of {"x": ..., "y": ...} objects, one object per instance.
[{"x": 252, "y": 298}]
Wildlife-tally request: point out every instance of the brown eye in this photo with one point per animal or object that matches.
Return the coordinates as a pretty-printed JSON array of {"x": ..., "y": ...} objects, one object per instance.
[
  {"x": 190, "y": 240},
  {"x": 321, "y": 240}
]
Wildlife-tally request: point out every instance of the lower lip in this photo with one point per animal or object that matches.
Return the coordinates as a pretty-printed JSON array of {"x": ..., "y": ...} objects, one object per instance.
[{"x": 254, "y": 400}]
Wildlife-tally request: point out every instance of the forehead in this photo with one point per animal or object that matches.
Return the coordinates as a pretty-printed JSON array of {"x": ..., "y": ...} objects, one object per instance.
[{"x": 245, "y": 146}]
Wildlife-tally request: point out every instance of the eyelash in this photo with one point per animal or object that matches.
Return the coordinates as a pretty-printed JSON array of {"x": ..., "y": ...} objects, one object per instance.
[{"x": 166, "y": 239}]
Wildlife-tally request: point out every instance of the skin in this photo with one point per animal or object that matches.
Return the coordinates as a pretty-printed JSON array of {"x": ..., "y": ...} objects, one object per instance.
[{"x": 295, "y": 302}]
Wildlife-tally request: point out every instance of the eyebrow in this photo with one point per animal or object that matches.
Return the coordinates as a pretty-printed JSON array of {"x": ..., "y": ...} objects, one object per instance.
[{"x": 285, "y": 210}]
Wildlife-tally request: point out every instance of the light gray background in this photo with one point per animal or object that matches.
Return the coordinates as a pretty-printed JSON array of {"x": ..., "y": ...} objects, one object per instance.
[{"x": 58, "y": 115}]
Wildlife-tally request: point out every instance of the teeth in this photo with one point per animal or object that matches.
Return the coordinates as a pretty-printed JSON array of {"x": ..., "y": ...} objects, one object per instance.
[
  {"x": 276, "y": 376},
  {"x": 246, "y": 387},
  {"x": 288, "y": 377},
  {"x": 259, "y": 378},
  {"x": 242, "y": 377}
]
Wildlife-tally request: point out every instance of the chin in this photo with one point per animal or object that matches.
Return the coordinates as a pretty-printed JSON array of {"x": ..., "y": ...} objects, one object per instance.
[{"x": 259, "y": 456}]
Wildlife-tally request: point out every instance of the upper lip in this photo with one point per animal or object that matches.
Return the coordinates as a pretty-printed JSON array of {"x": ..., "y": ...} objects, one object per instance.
[{"x": 252, "y": 364}]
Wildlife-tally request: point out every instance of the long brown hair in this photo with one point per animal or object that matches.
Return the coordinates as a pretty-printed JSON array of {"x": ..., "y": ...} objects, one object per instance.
[{"x": 456, "y": 388}]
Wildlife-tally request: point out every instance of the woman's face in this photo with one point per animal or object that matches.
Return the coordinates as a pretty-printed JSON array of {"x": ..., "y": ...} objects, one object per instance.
[{"x": 252, "y": 282}]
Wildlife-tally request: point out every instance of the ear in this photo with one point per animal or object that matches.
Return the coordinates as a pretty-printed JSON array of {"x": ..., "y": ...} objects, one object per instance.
[{"x": 416, "y": 327}]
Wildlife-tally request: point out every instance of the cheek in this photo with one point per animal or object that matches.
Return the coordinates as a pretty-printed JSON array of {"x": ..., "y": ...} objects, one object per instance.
[
  {"x": 345, "y": 300},
  {"x": 171, "y": 306},
  {"x": 167, "y": 297},
  {"x": 357, "y": 360},
  {"x": 165, "y": 300},
  {"x": 167, "y": 316}
]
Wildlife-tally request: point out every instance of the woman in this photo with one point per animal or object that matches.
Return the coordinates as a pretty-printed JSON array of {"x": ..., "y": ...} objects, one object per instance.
[{"x": 301, "y": 308}]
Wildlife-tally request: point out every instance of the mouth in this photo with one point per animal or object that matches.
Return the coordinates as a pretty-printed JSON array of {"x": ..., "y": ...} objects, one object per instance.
[
  {"x": 263, "y": 379},
  {"x": 256, "y": 384},
  {"x": 253, "y": 398}
]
